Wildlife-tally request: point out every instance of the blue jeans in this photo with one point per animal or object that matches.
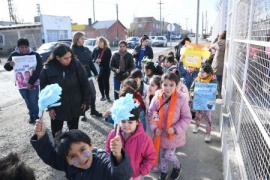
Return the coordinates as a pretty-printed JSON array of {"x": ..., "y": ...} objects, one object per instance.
[
  {"x": 219, "y": 80},
  {"x": 116, "y": 84},
  {"x": 31, "y": 100},
  {"x": 142, "y": 119}
]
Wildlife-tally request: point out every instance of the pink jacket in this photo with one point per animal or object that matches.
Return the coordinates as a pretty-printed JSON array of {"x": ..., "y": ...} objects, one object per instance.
[
  {"x": 140, "y": 149},
  {"x": 181, "y": 120}
]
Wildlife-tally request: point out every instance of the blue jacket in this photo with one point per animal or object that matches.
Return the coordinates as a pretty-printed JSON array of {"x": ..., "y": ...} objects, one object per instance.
[
  {"x": 104, "y": 166},
  {"x": 188, "y": 77}
]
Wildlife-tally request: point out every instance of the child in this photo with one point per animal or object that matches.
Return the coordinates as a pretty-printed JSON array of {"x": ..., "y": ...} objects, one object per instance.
[
  {"x": 12, "y": 168},
  {"x": 20, "y": 80},
  {"x": 154, "y": 85},
  {"x": 77, "y": 157},
  {"x": 170, "y": 116},
  {"x": 170, "y": 65},
  {"x": 138, "y": 76},
  {"x": 161, "y": 59},
  {"x": 205, "y": 76},
  {"x": 138, "y": 145},
  {"x": 150, "y": 69}
]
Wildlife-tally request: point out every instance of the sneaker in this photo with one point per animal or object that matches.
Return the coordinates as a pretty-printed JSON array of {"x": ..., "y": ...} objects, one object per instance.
[
  {"x": 103, "y": 99},
  {"x": 207, "y": 138},
  {"x": 175, "y": 173},
  {"x": 96, "y": 113},
  {"x": 108, "y": 99},
  {"x": 156, "y": 169},
  {"x": 31, "y": 121},
  {"x": 84, "y": 119},
  {"x": 163, "y": 176},
  {"x": 195, "y": 129}
]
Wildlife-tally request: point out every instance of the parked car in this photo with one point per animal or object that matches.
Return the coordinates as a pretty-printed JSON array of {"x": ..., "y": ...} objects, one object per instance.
[
  {"x": 90, "y": 44},
  {"x": 191, "y": 35},
  {"x": 45, "y": 49},
  {"x": 160, "y": 41},
  {"x": 151, "y": 39},
  {"x": 209, "y": 39},
  {"x": 133, "y": 41}
]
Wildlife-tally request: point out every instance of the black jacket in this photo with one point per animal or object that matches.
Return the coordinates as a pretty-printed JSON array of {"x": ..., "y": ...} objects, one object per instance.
[
  {"x": 104, "y": 166},
  {"x": 129, "y": 65},
  {"x": 84, "y": 55},
  {"x": 105, "y": 61},
  {"x": 148, "y": 52},
  {"x": 75, "y": 89},
  {"x": 34, "y": 77}
]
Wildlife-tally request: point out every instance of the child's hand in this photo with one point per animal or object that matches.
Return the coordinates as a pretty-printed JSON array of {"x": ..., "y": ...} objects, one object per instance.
[
  {"x": 171, "y": 130},
  {"x": 52, "y": 114},
  {"x": 107, "y": 114},
  {"x": 158, "y": 132},
  {"x": 39, "y": 128},
  {"x": 116, "y": 146}
]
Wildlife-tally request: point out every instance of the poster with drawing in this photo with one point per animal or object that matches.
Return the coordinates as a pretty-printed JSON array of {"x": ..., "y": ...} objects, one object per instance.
[
  {"x": 204, "y": 96},
  {"x": 24, "y": 67}
]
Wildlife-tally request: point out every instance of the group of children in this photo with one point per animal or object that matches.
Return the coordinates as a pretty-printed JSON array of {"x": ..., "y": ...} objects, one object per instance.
[{"x": 162, "y": 91}]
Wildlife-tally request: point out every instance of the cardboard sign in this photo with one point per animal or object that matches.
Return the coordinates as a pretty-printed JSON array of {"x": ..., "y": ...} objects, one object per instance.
[
  {"x": 204, "y": 96},
  {"x": 194, "y": 54},
  {"x": 23, "y": 69}
]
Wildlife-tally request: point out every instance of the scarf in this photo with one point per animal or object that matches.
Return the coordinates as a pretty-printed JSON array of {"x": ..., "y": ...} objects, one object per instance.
[
  {"x": 206, "y": 80},
  {"x": 170, "y": 116},
  {"x": 122, "y": 66}
]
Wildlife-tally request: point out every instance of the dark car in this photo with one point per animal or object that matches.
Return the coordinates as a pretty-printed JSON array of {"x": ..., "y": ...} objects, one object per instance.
[
  {"x": 133, "y": 41},
  {"x": 45, "y": 49}
]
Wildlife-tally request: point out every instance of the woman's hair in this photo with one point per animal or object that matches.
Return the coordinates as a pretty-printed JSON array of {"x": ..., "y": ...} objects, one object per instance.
[
  {"x": 183, "y": 42},
  {"x": 156, "y": 69},
  {"x": 60, "y": 50},
  {"x": 76, "y": 37},
  {"x": 170, "y": 59},
  {"x": 170, "y": 76},
  {"x": 222, "y": 35},
  {"x": 103, "y": 39},
  {"x": 206, "y": 67},
  {"x": 12, "y": 168},
  {"x": 157, "y": 80},
  {"x": 122, "y": 42},
  {"x": 66, "y": 139},
  {"x": 143, "y": 38},
  {"x": 136, "y": 73},
  {"x": 129, "y": 85}
]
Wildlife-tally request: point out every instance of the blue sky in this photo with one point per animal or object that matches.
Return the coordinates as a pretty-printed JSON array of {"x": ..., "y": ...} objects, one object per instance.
[{"x": 173, "y": 11}]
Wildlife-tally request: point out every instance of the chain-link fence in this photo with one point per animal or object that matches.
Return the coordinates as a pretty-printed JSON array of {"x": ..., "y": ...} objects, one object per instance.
[{"x": 246, "y": 84}]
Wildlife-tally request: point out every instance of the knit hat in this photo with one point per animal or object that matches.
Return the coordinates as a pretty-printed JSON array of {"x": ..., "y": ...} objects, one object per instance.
[{"x": 22, "y": 42}]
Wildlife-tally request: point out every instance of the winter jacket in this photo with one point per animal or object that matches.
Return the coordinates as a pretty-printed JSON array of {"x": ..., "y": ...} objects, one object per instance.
[
  {"x": 180, "y": 122},
  {"x": 105, "y": 60},
  {"x": 188, "y": 77},
  {"x": 218, "y": 61},
  {"x": 103, "y": 167},
  {"x": 148, "y": 52},
  {"x": 34, "y": 77},
  {"x": 115, "y": 64},
  {"x": 84, "y": 55},
  {"x": 75, "y": 89},
  {"x": 140, "y": 149}
]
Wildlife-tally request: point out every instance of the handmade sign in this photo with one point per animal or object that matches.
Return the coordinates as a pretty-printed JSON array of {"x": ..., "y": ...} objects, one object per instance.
[
  {"x": 204, "y": 96},
  {"x": 23, "y": 69},
  {"x": 194, "y": 54}
]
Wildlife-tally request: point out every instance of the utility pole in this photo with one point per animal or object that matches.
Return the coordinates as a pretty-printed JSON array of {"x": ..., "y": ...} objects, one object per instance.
[
  {"x": 187, "y": 24},
  {"x": 38, "y": 10},
  {"x": 198, "y": 16},
  {"x": 117, "y": 24},
  {"x": 202, "y": 25},
  {"x": 206, "y": 23},
  {"x": 12, "y": 15},
  {"x": 94, "y": 10},
  {"x": 160, "y": 3}
]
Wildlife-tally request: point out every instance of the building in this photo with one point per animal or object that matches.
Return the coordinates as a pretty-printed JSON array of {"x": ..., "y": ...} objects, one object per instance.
[{"x": 11, "y": 33}]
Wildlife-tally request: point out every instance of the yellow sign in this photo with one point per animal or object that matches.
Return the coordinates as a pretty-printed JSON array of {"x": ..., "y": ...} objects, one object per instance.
[{"x": 193, "y": 54}]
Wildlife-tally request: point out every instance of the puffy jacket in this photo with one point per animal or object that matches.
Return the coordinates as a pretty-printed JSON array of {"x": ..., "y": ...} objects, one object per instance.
[
  {"x": 34, "y": 77},
  {"x": 188, "y": 77},
  {"x": 75, "y": 89},
  {"x": 84, "y": 55},
  {"x": 106, "y": 58},
  {"x": 129, "y": 65},
  {"x": 103, "y": 167},
  {"x": 140, "y": 149},
  {"x": 180, "y": 122}
]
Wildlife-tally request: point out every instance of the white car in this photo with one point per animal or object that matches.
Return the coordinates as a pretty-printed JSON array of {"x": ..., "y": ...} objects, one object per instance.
[
  {"x": 151, "y": 39},
  {"x": 90, "y": 44},
  {"x": 209, "y": 39},
  {"x": 160, "y": 41}
]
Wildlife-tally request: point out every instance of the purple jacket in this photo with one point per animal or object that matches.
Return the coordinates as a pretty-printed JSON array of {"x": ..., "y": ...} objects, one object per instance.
[
  {"x": 181, "y": 120},
  {"x": 140, "y": 149}
]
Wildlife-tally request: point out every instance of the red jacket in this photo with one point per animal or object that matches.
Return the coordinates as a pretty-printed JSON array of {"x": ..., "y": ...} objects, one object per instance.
[{"x": 140, "y": 149}]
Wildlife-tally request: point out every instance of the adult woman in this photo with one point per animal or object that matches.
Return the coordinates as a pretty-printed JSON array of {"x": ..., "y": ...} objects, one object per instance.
[
  {"x": 142, "y": 50},
  {"x": 102, "y": 55},
  {"x": 62, "y": 68},
  {"x": 121, "y": 64},
  {"x": 84, "y": 55},
  {"x": 218, "y": 61}
]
